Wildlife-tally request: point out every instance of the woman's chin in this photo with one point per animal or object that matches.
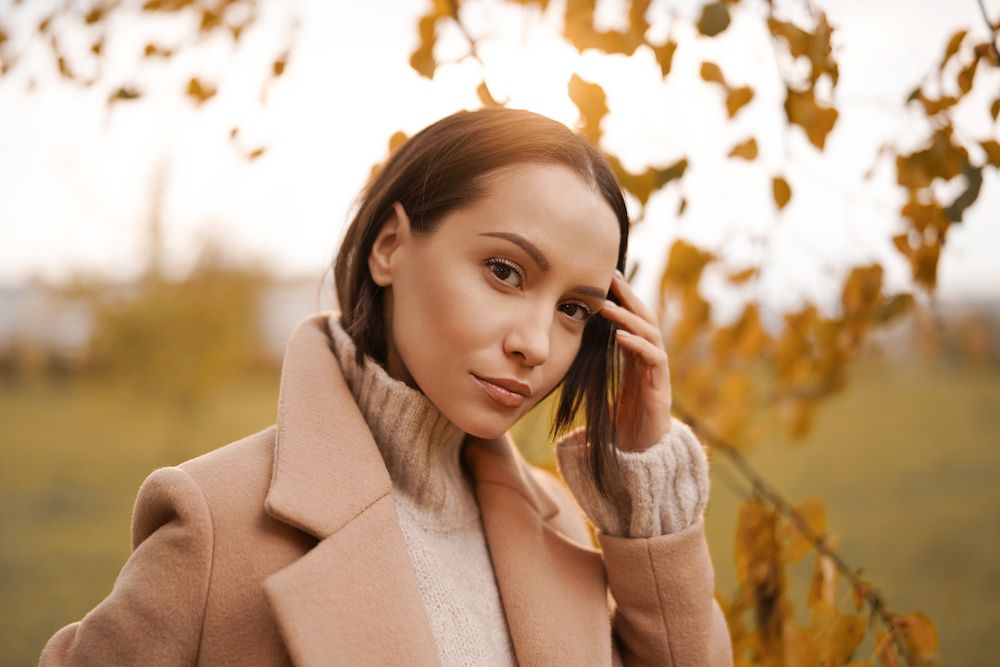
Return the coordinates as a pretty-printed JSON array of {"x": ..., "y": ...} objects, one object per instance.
[{"x": 484, "y": 429}]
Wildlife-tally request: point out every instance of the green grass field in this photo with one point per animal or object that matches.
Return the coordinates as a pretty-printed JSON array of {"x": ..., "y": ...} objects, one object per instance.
[{"x": 906, "y": 460}]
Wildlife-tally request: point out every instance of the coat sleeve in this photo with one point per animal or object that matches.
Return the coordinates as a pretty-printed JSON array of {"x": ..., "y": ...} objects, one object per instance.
[
  {"x": 154, "y": 613},
  {"x": 652, "y": 538}
]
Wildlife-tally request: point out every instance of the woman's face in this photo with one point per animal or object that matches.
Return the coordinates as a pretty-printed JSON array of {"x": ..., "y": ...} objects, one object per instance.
[{"x": 486, "y": 314}]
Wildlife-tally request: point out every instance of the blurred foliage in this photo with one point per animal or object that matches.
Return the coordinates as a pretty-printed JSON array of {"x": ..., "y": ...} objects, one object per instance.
[
  {"x": 738, "y": 381},
  {"x": 180, "y": 339},
  {"x": 59, "y": 26}
]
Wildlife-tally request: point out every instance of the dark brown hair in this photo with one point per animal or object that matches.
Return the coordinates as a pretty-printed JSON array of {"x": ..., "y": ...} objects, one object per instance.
[{"x": 445, "y": 167}]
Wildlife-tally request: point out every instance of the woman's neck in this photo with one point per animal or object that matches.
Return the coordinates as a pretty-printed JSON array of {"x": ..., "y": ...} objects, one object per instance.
[{"x": 420, "y": 446}]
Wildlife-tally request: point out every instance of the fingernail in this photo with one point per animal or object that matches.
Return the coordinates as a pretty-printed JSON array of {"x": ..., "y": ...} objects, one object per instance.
[
  {"x": 619, "y": 274},
  {"x": 608, "y": 303}
]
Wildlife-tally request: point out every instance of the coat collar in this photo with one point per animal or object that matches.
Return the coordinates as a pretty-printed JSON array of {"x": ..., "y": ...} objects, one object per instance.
[
  {"x": 327, "y": 467},
  {"x": 356, "y": 593}
]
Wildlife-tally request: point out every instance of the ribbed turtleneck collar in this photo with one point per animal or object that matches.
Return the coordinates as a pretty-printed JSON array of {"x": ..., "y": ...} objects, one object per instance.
[{"x": 421, "y": 447}]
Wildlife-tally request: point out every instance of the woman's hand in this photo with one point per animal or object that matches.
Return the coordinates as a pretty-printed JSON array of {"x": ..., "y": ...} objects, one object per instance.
[{"x": 644, "y": 410}]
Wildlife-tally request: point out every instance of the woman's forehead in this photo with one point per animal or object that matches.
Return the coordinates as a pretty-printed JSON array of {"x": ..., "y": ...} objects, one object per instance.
[
  {"x": 551, "y": 206},
  {"x": 550, "y": 200}
]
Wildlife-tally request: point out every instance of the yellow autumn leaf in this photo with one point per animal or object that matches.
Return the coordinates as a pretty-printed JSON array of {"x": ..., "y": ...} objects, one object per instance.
[
  {"x": 801, "y": 413},
  {"x": 743, "y": 276},
  {"x": 695, "y": 312},
  {"x": 816, "y": 120},
  {"x": 952, "y": 48},
  {"x": 755, "y": 539},
  {"x": 898, "y": 305},
  {"x": 396, "y": 140},
  {"x": 96, "y": 14},
  {"x": 795, "y": 543},
  {"x": 590, "y": 99},
  {"x": 485, "y": 96},
  {"x": 123, "y": 93},
  {"x": 923, "y": 263},
  {"x": 862, "y": 290},
  {"x": 200, "y": 92},
  {"x": 733, "y": 401},
  {"x": 798, "y": 40},
  {"x": 781, "y": 191},
  {"x": 920, "y": 632},
  {"x": 799, "y": 646},
  {"x": 644, "y": 184},
  {"x": 737, "y": 98},
  {"x": 422, "y": 59},
  {"x": 685, "y": 264},
  {"x": 714, "y": 18},
  {"x": 925, "y": 216},
  {"x": 279, "y": 64},
  {"x": 966, "y": 76},
  {"x": 712, "y": 73},
  {"x": 902, "y": 243},
  {"x": 637, "y": 23},
  {"x": 751, "y": 338},
  {"x": 665, "y": 56},
  {"x": 942, "y": 159},
  {"x": 837, "y": 635},
  {"x": 746, "y": 150},
  {"x": 992, "y": 148}
]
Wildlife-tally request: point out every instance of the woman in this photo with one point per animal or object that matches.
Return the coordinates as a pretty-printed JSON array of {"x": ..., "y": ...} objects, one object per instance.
[{"x": 387, "y": 518}]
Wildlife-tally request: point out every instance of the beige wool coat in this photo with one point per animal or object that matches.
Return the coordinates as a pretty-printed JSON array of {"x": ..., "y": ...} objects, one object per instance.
[{"x": 284, "y": 548}]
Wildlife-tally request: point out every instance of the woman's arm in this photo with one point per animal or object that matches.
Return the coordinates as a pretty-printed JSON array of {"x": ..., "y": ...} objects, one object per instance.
[
  {"x": 154, "y": 613},
  {"x": 652, "y": 536}
]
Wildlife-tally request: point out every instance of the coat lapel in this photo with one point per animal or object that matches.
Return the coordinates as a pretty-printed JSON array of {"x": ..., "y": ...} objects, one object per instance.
[
  {"x": 553, "y": 589},
  {"x": 354, "y": 598}
]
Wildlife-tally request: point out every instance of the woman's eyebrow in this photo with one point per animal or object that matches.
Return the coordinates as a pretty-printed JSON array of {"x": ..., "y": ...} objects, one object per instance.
[
  {"x": 587, "y": 290},
  {"x": 542, "y": 262},
  {"x": 525, "y": 244}
]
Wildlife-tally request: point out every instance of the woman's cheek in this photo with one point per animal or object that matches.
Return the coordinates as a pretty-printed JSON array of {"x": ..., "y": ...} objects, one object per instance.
[
  {"x": 566, "y": 347},
  {"x": 466, "y": 308}
]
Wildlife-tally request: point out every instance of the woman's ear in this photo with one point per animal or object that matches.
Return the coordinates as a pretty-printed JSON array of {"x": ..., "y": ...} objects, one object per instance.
[{"x": 385, "y": 255}]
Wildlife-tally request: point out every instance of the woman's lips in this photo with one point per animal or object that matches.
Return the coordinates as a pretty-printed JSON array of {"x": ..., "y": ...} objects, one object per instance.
[{"x": 504, "y": 397}]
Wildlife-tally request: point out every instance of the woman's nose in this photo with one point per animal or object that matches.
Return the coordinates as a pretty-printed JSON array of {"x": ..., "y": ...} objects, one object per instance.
[{"x": 528, "y": 340}]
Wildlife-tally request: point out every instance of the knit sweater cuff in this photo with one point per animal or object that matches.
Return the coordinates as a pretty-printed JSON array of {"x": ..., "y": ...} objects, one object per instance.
[{"x": 665, "y": 489}]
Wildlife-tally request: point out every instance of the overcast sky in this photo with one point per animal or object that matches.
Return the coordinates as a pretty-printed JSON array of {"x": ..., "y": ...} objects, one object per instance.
[{"x": 76, "y": 181}]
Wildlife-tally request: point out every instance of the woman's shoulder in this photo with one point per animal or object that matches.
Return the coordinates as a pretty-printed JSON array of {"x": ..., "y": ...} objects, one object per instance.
[
  {"x": 246, "y": 460},
  {"x": 231, "y": 480}
]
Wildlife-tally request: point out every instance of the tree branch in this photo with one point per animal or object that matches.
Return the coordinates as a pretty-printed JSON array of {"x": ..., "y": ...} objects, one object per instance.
[
  {"x": 762, "y": 488},
  {"x": 994, "y": 30}
]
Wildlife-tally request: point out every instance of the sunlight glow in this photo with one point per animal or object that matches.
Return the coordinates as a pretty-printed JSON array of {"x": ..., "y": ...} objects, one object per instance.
[{"x": 533, "y": 74}]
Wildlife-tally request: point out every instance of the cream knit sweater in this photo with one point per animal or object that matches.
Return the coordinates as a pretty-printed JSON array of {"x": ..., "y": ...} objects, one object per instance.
[{"x": 667, "y": 489}]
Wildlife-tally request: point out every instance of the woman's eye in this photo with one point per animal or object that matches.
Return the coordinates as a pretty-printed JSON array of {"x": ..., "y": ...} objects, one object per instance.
[
  {"x": 576, "y": 311},
  {"x": 506, "y": 271}
]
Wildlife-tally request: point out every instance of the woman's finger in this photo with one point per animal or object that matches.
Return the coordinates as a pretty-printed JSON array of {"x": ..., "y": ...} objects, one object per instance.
[
  {"x": 631, "y": 322},
  {"x": 631, "y": 300},
  {"x": 652, "y": 355}
]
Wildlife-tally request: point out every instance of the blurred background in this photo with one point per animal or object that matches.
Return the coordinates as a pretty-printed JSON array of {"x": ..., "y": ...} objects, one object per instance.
[{"x": 816, "y": 202}]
